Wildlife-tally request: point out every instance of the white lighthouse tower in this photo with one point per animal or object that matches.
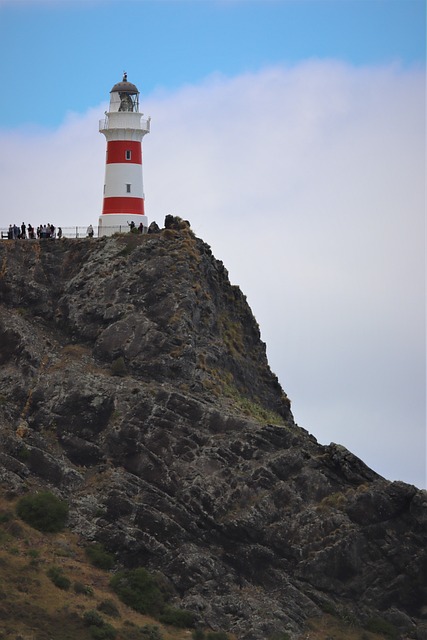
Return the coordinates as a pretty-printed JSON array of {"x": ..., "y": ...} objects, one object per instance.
[{"x": 124, "y": 127}]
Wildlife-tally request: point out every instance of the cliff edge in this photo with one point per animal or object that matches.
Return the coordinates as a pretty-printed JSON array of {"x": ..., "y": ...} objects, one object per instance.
[{"x": 134, "y": 384}]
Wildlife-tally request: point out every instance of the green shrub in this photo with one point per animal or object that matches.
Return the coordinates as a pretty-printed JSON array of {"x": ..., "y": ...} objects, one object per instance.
[
  {"x": 5, "y": 516},
  {"x": 198, "y": 634},
  {"x": 106, "y": 632},
  {"x": 99, "y": 557},
  {"x": 147, "y": 594},
  {"x": 5, "y": 537},
  {"x": 23, "y": 454},
  {"x": 58, "y": 578},
  {"x": 43, "y": 511},
  {"x": 109, "y": 608},
  {"x": 177, "y": 617},
  {"x": 82, "y": 589},
  {"x": 379, "y": 625},
  {"x": 98, "y": 628},
  {"x": 147, "y": 632},
  {"x": 328, "y": 607},
  {"x": 93, "y": 619},
  {"x": 138, "y": 589},
  {"x": 150, "y": 632},
  {"x": 280, "y": 636},
  {"x": 15, "y": 529},
  {"x": 216, "y": 635},
  {"x": 118, "y": 367}
]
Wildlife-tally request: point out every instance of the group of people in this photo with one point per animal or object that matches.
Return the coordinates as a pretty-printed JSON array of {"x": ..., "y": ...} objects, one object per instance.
[
  {"x": 27, "y": 231},
  {"x": 135, "y": 229},
  {"x": 49, "y": 231}
]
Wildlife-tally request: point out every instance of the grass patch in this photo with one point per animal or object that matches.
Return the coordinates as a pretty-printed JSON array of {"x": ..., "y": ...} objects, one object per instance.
[
  {"x": 379, "y": 625},
  {"x": 328, "y": 627},
  {"x": 221, "y": 383},
  {"x": 333, "y": 501},
  {"x": 199, "y": 634},
  {"x": 231, "y": 333}
]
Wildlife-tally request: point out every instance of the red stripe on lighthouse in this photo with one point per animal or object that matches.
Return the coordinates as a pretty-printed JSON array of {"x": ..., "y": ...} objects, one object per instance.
[
  {"x": 119, "y": 151},
  {"x": 123, "y": 205}
]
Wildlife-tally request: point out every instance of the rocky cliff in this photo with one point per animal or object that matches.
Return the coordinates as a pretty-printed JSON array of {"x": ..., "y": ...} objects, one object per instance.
[{"x": 134, "y": 384}]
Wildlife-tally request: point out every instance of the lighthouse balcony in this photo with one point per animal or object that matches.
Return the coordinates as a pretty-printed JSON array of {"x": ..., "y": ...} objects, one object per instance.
[{"x": 125, "y": 120}]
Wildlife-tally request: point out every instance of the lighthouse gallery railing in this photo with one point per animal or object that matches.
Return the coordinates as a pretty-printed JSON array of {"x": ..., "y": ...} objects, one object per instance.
[{"x": 125, "y": 121}]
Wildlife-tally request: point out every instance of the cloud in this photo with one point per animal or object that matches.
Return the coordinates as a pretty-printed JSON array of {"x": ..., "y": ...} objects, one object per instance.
[
  {"x": 309, "y": 183},
  {"x": 53, "y": 175}
]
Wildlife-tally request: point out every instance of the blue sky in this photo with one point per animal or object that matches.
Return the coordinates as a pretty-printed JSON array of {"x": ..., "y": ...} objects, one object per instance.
[
  {"x": 60, "y": 56},
  {"x": 292, "y": 135}
]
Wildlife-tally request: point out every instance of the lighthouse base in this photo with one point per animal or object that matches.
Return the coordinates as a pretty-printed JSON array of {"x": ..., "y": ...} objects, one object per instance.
[{"x": 113, "y": 223}]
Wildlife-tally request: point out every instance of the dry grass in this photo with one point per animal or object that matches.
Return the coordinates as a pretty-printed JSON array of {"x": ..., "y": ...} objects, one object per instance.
[
  {"x": 330, "y": 628},
  {"x": 76, "y": 351},
  {"x": 32, "y": 607}
]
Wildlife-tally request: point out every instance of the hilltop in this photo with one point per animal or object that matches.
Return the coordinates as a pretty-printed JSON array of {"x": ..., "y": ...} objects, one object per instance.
[{"x": 135, "y": 386}]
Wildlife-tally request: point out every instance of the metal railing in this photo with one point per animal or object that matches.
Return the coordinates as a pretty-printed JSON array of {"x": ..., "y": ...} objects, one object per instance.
[
  {"x": 69, "y": 232},
  {"x": 122, "y": 121}
]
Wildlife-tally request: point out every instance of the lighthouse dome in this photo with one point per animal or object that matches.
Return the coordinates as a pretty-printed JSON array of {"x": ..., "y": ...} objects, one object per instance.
[{"x": 124, "y": 86}]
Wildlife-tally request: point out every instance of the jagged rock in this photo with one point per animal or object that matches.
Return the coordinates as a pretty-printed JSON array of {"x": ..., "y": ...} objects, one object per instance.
[
  {"x": 154, "y": 228},
  {"x": 186, "y": 458}
]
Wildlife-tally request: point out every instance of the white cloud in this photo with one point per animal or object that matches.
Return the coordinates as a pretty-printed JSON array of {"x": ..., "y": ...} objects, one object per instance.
[
  {"x": 309, "y": 183},
  {"x": 53, "y": 176}
]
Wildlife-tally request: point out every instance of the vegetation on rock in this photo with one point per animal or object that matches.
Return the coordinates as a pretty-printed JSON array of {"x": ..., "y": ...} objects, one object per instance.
[
  {"x": 99, "y": 557},
  {"x": 56, "y": 574},
  {"x": 43, "y": 511},
  {"x": 146, "y": 594},
  {"x": 139, "y": 589}
]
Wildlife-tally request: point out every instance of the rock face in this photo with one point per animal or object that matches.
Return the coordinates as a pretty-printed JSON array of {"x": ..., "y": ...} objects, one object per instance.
[{"x": 134, "y": 383}]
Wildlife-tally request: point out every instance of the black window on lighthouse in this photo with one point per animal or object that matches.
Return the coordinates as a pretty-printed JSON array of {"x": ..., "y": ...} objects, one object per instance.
[
  {"x": 128, "y": 188},
  {"x": 128, "y": 154}
]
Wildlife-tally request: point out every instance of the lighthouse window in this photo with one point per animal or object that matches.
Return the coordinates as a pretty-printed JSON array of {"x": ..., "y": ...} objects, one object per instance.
[
  {"x": 128, "y": 188},
  {"x": 128, "y": 154}
]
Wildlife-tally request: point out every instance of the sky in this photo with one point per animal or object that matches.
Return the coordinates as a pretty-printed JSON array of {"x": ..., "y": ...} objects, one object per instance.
[{"x": 291, "y": 134}]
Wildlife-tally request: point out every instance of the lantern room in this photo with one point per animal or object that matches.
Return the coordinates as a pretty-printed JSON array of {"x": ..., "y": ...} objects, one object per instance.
[{"x": 124, "y": 96}]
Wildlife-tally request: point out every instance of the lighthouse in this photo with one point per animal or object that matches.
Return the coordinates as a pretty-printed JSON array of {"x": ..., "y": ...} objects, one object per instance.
[{"x": 123, "y": 127}]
